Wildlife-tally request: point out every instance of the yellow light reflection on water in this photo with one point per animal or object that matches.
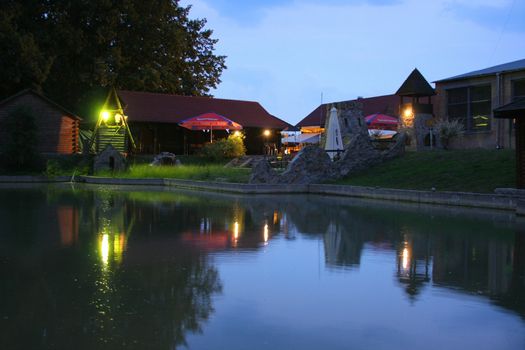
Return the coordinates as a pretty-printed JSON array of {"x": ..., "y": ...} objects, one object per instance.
[
  {"x": 265, "y": 233},
  {"x": 406, "y": 257},
  {"x": 119, "y": 245},
  {"x": 104, "y": 249},
  {"x": 236, "y": 230}
]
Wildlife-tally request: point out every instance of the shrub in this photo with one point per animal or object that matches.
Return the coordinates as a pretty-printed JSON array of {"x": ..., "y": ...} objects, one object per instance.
[
  {"x": 231, "y": 147},
  {"x": 68, "y": 165},
  {"x": 20, "y": 149},
  {"x": 448, "y": 130}
]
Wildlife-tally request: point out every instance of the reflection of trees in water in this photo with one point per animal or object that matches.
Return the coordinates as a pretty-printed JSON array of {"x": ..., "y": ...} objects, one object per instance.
[
  {"x": 161, "y": 289},
  {"x": 85, "y": 297},
  {"x": 139, "y": 307}
]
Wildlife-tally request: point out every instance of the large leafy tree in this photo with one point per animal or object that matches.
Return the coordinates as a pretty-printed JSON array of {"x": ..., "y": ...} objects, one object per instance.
[{"x": 73, "y": 49}]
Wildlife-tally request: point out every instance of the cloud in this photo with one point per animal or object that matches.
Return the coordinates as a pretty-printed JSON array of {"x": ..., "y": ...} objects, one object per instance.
[{"x": 297, "y": 50}]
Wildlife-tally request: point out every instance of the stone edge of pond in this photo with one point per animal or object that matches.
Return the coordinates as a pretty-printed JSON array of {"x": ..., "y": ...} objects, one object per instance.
[
  {"x": 501, "y": 201},
  {"x": 33, "y": 179}
]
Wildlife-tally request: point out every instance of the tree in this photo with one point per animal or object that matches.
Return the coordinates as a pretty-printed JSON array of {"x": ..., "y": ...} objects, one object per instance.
[{"x": 73, "y": 50}]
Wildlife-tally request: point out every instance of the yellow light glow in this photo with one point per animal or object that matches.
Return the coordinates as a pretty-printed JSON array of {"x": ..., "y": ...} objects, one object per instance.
[
  {"x": 265, "y": 233},
  {"x": 266, "y": 133},
  {"x": 237, "y": 133},
  {"x": 408, "y": 112},
  {"x": 275, "y": 217},
  {"x": 118, "y": 118},
  {"x": 104, "y": 249},
  {"x": 406, "y": 256},
  {"x": 104, "y": 115}
]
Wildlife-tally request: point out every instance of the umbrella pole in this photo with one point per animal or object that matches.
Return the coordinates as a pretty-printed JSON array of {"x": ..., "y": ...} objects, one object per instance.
[{"x": 211, "y": 133}]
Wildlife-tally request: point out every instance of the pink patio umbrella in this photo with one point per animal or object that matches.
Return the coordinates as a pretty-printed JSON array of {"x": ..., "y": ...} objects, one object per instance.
[
  {"x": 381, "y": 121},
  {"x": 210, "y": 121}
]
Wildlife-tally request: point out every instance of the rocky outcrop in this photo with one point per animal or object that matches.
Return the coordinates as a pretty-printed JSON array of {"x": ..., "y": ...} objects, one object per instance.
[
  {"x": 165, "y": 158},
  {"x": 313, "y": 165}
]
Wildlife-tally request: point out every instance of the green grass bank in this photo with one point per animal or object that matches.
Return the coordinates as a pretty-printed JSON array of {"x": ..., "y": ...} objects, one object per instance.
[
  {"x": 212, "y": 172},
  {"x": 477, "y": 170}
]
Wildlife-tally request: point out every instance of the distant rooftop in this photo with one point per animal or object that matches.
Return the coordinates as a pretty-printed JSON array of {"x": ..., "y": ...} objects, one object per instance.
[
  {"x": 168, "y": 108},
  {"x": 387, "y": 104},
  {"x": 505, "y": 67},
  {"x": 415, "y": 85}
]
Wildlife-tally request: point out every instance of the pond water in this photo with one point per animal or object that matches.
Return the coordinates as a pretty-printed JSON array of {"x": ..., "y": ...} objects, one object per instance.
[{"x": 133, "y": 268}]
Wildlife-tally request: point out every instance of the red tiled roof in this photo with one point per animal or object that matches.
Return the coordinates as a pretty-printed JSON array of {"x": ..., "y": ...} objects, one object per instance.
[
  {"x": 166, "y": 108},
  {"x": 387, "y": 104}
]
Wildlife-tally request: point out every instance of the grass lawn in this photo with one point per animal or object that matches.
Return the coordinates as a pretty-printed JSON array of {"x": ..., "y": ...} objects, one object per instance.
[
  {"x": 477, "y": 170},
  {"x": 191, "y": 172}
]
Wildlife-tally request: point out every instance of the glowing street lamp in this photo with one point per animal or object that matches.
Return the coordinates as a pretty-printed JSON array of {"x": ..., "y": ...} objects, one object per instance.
[
  {"x": 266, "y": 134},
  {"x": 105, "y": 116},
  {"x": 408, "y": 117}
]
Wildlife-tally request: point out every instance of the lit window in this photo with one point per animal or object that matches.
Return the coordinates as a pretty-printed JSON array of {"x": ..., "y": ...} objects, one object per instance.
[{"x": 472, "y": 106}]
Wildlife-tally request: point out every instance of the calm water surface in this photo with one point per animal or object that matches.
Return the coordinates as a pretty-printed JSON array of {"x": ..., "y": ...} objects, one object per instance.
[{"x": 131, "y": 268}]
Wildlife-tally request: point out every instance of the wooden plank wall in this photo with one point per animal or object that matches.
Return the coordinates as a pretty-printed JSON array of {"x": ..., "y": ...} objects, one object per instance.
[
  {"x": 57, "y": 132},
  {"x": 117, "y": 136}
]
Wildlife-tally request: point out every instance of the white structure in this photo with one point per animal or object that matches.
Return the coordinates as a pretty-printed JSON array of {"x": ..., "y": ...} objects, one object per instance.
[{"x": 334, "y": 141}]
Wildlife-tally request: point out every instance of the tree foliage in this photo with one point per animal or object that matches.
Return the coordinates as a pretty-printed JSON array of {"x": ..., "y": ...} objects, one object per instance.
[{"x": 72, "y": 48}]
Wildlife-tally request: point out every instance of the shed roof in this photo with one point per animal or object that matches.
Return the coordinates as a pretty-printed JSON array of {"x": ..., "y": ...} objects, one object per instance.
[
  {"x": 500, "y": 68},
  {"x": 42, "y": 97},
  {"x": 515, "y": 109},
  {"x": 167, "y": 108},
  {"x": 388, "y": 104},
  {"x": 415, "y": 85}
]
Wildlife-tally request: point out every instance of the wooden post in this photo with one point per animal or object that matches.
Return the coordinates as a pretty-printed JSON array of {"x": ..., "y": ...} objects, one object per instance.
[{"x": 520, "y": 153}]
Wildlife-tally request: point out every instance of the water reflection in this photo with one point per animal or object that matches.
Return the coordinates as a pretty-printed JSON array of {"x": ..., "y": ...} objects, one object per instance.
[{"x": 116, "y": 268}]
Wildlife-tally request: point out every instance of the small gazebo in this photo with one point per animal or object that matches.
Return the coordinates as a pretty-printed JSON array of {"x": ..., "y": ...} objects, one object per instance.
[{"x": 516, "y": 110}]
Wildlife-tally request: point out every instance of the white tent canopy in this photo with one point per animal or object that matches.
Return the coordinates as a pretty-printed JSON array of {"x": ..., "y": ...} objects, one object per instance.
[
  {"x": 301, "y": 138},
  {"x": 334, "y": 141}
]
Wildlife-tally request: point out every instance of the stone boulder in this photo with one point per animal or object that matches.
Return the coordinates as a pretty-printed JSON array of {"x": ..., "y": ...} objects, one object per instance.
[
  {"x": 312, "y": 164},
  {"x": 165, "y": 158},
  {"x": 109, "y": 160},
  {"x": 263, "y": 173}
]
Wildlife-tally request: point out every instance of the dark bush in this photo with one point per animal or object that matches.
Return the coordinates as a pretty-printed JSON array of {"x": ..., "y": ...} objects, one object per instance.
[{"x": 19, "y": 151}]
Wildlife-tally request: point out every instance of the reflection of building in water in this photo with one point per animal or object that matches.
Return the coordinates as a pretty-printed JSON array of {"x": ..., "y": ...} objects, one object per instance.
[
  {"x": 480, "y": 265},
  {"x": 342, "y": 249},
  {"x": 68, "y": 225},
  {"x": 413, "y": 262}
]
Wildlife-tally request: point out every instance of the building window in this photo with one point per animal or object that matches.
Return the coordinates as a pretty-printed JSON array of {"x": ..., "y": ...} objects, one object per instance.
[
  {"x": 518, "y": 89},
  {"x": 472, "y": 106}
]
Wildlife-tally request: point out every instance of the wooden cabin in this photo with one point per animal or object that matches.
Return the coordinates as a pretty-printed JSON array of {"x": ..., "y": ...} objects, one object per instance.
[{"x": 57, "y": 128}]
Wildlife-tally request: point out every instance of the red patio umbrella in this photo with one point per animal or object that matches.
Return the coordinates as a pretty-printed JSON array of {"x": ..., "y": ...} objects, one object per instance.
[
  {"x": 210, "y": 121},
  {"x": 381, "y": 121}
]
